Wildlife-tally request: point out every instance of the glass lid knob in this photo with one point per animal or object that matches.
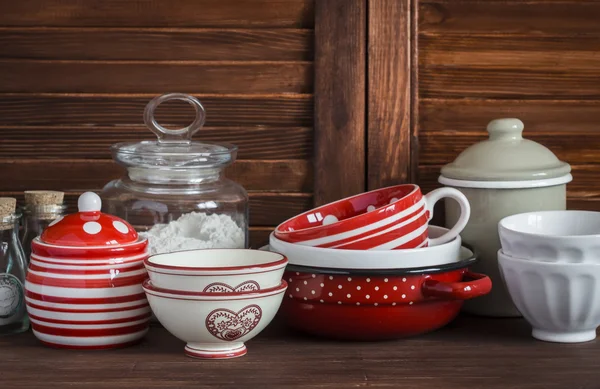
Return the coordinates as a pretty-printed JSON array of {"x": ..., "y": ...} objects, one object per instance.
[{"x": 179, "y": 136}]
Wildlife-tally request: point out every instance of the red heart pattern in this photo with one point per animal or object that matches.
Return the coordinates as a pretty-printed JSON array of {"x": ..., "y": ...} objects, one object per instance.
[
  {"x": 227, "y": 325},
  {"x": 221, "y": 287}
]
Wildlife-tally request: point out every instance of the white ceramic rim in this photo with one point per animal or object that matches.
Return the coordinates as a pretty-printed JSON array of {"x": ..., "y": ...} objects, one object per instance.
[
  {"x": 530, "y": 262},
  {"x": 503, "y": 221},
  {"x": 380, "y": 259},
  {"x": 139, "y": 241},
  {"x": 203, "y": 296},
  {"x": 506, "y": 184}
]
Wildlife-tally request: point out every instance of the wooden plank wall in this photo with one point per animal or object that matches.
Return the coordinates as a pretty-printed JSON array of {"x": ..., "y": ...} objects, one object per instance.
[
  {"x": 537, "y": 60},
  {"x": 75, "y": 76}
]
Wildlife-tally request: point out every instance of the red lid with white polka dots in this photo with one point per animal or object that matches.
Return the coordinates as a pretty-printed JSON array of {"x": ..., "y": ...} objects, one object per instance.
[{"x": 89, "y": 227}]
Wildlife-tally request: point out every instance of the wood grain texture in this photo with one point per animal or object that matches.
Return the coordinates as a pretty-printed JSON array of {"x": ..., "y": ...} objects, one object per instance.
[
  {"x": 94, "y": 142},
  {"x": 80, "y": 174},
  {"x": 159, "y": 44},
  {"x": 584, "y": 184},
  {"x": 340, "y": 88},
  {"x": 39, "y": 76},
  {"x": 510, "y": 17},
  {"x": 87, "y": 109},
  {"x": 266, "y": 208},
  {"x": 471, "y": 352},
  {"x": 158, "y": 13},
  {"x": 259, "y": 236},
  {"x": 389, "y": 93}
]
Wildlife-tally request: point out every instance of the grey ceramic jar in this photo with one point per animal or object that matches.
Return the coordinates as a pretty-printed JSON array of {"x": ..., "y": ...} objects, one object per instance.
[{"x": 502, "y": 176}]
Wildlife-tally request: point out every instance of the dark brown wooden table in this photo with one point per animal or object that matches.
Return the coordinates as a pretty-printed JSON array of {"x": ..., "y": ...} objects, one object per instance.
[{"x": 470, "y": 353}]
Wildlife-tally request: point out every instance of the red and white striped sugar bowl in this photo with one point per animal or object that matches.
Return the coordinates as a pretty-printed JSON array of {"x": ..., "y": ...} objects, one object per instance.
[{"x": 83, "y": 289}]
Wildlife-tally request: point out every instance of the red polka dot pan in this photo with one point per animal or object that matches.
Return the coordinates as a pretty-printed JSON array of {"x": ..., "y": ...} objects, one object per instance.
[
  {"x": 379, "y": 304},
  {"x": 83, "y": 288}
]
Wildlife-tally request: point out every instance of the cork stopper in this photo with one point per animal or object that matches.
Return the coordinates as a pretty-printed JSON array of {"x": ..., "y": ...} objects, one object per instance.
[
  {"x": 8, "y": 206},
  {"x": 43, "y": 197}
]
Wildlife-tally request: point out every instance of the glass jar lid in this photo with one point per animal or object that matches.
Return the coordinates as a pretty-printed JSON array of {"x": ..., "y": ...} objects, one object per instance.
[
  {"x": 506, "y": 160},
  {"x": 174, "y": 148},
  {"x": 89, "y": 227}
]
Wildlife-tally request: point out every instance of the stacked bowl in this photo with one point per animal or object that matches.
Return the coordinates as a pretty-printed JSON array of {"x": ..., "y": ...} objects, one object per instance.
[
  {"x": 550, "y": 263},
  {"x": 371, "y": 267},
  {"x": 215, "y": 299}
]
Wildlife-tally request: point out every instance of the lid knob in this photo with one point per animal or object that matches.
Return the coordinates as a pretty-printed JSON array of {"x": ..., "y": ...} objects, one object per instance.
[
  {"x": 505, "y": 129},
  {"x": 181, "y": 135},
  {"x": 89, "y": 202}
]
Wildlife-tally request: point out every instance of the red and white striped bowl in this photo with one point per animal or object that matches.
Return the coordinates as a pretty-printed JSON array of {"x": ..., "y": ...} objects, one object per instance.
[
  {"x": 75, "y": 302},
  {"x": 390, "y": 218}
]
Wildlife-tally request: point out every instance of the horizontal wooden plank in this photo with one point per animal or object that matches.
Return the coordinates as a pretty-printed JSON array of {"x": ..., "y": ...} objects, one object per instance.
[
  {"x": 574, "y": 147},
  {"x": 539, "y": 54},
  {"x": 156, "y": 44},
  {"x": 94, "y": 142},
  {"x": 585, "y": 184},
  {"x": 157, "y": 13},
  {"x": 155, "y": 77},
  {"x": 483, "y": 82},
  {"x": 120, "y": 110},
  {"x": 259, "y": 236},
  {"x": 509, "y": 17},
  {"x": 266, "y": 209},
  {"x": 60, "y": 174}
]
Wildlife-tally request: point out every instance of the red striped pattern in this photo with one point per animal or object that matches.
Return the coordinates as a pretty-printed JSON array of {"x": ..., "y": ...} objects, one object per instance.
[{"x": 100, "y": 304}]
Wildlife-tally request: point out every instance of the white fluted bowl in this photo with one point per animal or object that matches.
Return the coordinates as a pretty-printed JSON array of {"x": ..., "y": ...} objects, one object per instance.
[{"x": 561, "y": 301}]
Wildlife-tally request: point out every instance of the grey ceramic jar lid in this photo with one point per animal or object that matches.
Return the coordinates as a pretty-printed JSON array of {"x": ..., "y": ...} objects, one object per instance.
[{"x": 506, "y": 160}]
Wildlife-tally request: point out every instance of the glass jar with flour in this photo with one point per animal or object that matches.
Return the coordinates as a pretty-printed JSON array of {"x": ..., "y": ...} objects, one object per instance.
[{"x": 175, "y": 192}]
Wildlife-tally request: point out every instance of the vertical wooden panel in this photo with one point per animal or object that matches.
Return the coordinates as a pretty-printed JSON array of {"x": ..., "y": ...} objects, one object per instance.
[
  {"x": 389, "y": 81},
  {"x": 340, "y": 60}
]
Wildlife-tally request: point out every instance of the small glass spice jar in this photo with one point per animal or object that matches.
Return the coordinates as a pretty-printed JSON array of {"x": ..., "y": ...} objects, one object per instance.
[
  {"x": 13, "y": 315},
  {"x": 175, "y": 192},
  {"x": 41, "y": 208}
]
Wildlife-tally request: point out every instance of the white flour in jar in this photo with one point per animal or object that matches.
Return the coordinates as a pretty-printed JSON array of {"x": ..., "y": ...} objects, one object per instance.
[{"x": 195, "y": 230}]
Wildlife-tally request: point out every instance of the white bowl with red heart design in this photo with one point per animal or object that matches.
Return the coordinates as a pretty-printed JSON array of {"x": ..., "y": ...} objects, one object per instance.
[
  {"x": 216, "y": 270},
  {"x": 214, "y": 325}
]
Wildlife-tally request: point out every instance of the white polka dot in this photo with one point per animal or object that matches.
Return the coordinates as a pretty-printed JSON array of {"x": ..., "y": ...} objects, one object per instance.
[
  {"x": 376, "y": 304},
  {"x": 339, "y": 286},
  {"x": 322, "y": 284},
  {"x": 313, "y": 275},
  {"x": 339, "y": 302},
  {"x": 385, "y": 296},
  {"x": 297, "y": 273},
  {"x": 321, "y": 301},
  {"x": 305, "y": 283},
  {"x": 330, "y": 294},
  {"x": 368, "y": 297},
  {"x": 357, "y": 303},
  {"x": 290, "y": 280},
  {"x": 394, "y": 303},
  {"x": 291, "y": 296},
  {"x": 404, "y": 280},
  {"x": 55, "y": 221},
  {"x": 348, "y": 295},
  {"x": 329, "y": 219},
  {"x": 412, "y": 287},
  {"x": 92, "y": 228},
  {"x": 305, "y": 299},
  {"x": 358, "y": 287},
  {"x": 395, "y": 288},
  {"x": 410, "y": 303},
  {"x": 393, "y": 200},
  {"x": 121, "y": 227},
  {"x": 331, "y": 277},
  {"x": 368, "y": 280},
  {"x": 370, "y": 208},
  {"x": 385, "y": 280},
  {"x": 349, "y": 278},
  {"x": 403, "y": 296},
  {"x": 377, "y": 288},
  {"x": 297, "y": 289},
  {"x": 313, "y": 292}
]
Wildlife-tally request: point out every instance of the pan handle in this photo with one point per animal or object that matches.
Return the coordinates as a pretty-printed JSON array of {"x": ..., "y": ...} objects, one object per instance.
[{"x": 474, "y": 285}]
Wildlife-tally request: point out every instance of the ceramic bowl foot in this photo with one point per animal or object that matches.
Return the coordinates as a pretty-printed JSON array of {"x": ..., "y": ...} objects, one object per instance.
[
  {"x": 564, "y": 337},
  {"x": 199, "y": 350}
]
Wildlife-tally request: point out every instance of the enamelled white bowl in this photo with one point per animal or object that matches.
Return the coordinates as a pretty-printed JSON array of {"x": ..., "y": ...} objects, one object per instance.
[
  {"x": 371, "y": 259},
  {"x": 216, "y": 270},
  {"x": 214, "y": 325},
  {"x": 552, "y": 236},
  {"x": 561, "y": 301}
]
